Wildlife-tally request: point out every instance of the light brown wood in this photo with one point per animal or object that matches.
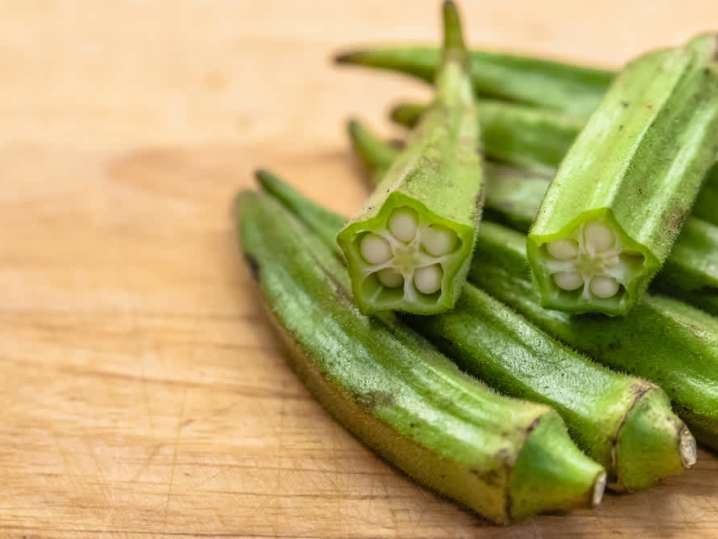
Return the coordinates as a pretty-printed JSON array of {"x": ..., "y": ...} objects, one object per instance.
[{"x": 142, "y": 392}]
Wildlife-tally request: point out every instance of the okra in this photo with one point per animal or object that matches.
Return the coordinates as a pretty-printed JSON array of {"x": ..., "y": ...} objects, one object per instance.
[
  {"x": 504, "y": 458},
  {"x": 663, "y": 340},
  {"x": 410, "y": 248},
  {"x": 569, "y": 88},
  {"x": 620, "y": 197},
  {"x": 513, "y": 197},
  {"x": 624, "y": 423},
  {"x": 519, "y": 135}
]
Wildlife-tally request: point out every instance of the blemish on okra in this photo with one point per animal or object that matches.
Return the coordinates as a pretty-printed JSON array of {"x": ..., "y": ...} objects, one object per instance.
[{"x": 253, "y": 266}]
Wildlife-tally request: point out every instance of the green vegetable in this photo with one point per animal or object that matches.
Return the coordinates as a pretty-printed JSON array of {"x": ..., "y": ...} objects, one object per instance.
[
  {"x": 606, "y": 412},
  {"x": 504, "y": 458},
  {"x": 410, "y": 248},
  {"x": 531, "y": 138},
  {"x": 620, "y": 197},
  {"x": 513, "y": 197},
  {"x": 663, "y": 339},
  {"x": 533, "y": 81}
]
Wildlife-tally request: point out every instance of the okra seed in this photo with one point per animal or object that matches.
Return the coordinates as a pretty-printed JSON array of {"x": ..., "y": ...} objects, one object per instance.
[
  {"x": 403, "y": 224},
  {"x": 604, "y": 287},
  {"x": 390, "y": 278},
  {"x": 438, "y": 241},
  {"x": 428, "y": 279},
  {"x": 598, "y": 236},
  {"x": 375, "y": 249},
  {"x": 562, "y": 249},
  {"x": 568, "y": 280}
]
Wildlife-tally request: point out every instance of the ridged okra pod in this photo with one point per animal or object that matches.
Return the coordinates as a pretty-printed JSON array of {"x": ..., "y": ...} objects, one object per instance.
[
  {"x": 663, "y": 340},
  {"x": 528, "y": 137},
  {"x": 620, "y": 197},
  {"x": 569, "y": 88},
  {"x": 622, "y": 422},
  {"x": 504, "y": 458},
  {"x": 410, "y": 247},
  {"x": 513, "y": 197}
]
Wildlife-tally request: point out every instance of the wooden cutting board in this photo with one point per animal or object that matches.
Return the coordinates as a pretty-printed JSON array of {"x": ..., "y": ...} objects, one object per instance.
[{"x": 142, "y": 393}]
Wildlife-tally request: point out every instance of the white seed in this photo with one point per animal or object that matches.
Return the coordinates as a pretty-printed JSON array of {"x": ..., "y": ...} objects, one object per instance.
[
  {"x": 438, "y": 241},
  {"x": 390, "y": 278},
  {"x": 598, "y": 237},
  {"x": 374, "y": 249},
  {"x": 568, "y": 280},
  {"x": 562, "y": 249},
  {"x": 403, "y": 224},
  {"x": 428, "y": 279},
  {"x": 604, "y": 287}
]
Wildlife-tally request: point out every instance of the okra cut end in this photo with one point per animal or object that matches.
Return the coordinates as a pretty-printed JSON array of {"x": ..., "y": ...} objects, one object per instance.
[
  {"x": 590, "y": 266},
  {"x": 653, "y": 443},
  {"x": 552, "y": 474},
  {"x": 406, "y": 258}
]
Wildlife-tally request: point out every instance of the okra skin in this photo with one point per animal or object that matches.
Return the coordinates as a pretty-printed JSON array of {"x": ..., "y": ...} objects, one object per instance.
[
  {"x": 513, "y": 197},
  {"x": 568, "y": 88},
  {"x": 531, "y": 138},
  {"x": 435, "y": 184},
  {"x": 400, "y": 396},
  {"x": 627, "y": 184},
  {"x": 488, "y": 339},
  {"x": 663, "y": 340}
]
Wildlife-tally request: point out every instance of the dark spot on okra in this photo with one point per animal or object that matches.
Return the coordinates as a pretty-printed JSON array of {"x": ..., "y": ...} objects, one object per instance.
[
  {"x": 373, "y": 399},
  {"x": 639, "y": 390},
  {"x": 625, "y": 103},
  {"x": 253, "y": 266},
  {"x": 490, "y": 477},
  {"x": 533, "y": 425}
]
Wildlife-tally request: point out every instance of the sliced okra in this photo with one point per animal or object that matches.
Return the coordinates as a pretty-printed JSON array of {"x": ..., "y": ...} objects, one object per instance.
[
  {"x": 618, "y": 202},
  {"x": 410, "y": 248}
]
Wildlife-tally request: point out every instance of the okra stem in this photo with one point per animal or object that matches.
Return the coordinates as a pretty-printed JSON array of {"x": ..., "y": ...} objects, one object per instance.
[
  {"x": 410, "y": 247},
  {"x": 488, "y": 339},
  {"x": 503, "y": 458}
]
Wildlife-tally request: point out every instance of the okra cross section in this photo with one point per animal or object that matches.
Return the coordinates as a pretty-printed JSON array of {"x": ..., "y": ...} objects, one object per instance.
[
  {"x": 410, "y": 248},
  {"x": 617, "y": 204}
]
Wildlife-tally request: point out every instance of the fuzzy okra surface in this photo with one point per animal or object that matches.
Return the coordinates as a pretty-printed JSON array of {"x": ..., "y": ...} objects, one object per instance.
[
  {"x": 619, "y": 199},
  {"x": 606, "y": 412},
  {"x": 410, "y": 247},
  {"x": 505, "y": 459}
]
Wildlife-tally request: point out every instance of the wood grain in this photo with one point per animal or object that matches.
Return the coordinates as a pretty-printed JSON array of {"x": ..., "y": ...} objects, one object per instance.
[{"x": 143, "y": 394}]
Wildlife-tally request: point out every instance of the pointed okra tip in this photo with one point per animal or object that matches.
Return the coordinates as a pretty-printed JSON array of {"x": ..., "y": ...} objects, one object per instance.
[
  {"x": 591, "y": 266},
  {"x": 453, "y": 34},
  {"x": 652, "y": 443}
]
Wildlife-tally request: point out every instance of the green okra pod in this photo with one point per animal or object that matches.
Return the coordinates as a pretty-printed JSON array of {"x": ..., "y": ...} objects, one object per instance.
[
  {"x": 504, "y": 458},
  {"x": 410, "y": 248},
  {"x": 513, "y": 196},
  {"x": 528, "y": 137},
  {"x": 620, "y": 197},
  {"x": 608, "y": 414},
  {"x": 569, "y": 88},
  {"x": 663, "y": 340}
]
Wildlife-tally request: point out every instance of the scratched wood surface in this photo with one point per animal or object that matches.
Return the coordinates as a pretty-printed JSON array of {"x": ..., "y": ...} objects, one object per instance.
[{"x": 142, "y": 393}]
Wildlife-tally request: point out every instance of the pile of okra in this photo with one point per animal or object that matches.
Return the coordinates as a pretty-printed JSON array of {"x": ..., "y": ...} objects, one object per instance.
[{"x": 524, "y": 311}]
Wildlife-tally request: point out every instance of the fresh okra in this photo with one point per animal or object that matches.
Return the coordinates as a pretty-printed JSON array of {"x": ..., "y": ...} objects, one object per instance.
[
  {"x": 504, "y": 458},
  {"x": 663, "y": 340},
  {"x": 569, "y": 88},
  {"x": 410, "y": 248},
  {"x": 624, "y": 423},
  {"x": 513, "y": 196},
  {"x": 620, "y": 197},
  {"x": 528, "y": 137}
]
